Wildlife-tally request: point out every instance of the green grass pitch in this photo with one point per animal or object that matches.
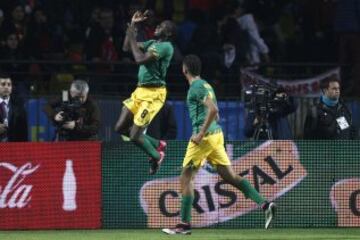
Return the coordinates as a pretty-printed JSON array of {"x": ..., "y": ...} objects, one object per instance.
[{"x": 203, "y": 234}]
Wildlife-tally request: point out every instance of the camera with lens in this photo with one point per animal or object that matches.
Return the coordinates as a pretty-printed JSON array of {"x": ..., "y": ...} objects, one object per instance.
[
  {"x": 264, "y": 99},
  {"x": 71, "y": 109}
]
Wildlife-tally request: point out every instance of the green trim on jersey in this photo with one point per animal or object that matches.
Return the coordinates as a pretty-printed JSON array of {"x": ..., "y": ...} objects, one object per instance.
[
  {"x": 198, "y": 92},
  {"x": 154, "y": 72}
]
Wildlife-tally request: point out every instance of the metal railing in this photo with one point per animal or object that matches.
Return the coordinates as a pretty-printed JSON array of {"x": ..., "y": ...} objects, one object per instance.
[
  {"x": 44, "y": 77},
  {"x": 116, "y": 80}
]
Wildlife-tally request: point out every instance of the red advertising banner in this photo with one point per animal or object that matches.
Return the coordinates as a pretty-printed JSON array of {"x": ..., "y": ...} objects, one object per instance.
[{"x": 50, "y": 185}]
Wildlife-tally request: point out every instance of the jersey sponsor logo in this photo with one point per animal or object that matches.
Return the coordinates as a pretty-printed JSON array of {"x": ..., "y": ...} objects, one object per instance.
[{"x": 273, "y": 168}]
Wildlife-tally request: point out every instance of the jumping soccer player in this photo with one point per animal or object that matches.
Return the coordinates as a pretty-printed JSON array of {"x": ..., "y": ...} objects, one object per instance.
[{"x": 154, "y": 58}]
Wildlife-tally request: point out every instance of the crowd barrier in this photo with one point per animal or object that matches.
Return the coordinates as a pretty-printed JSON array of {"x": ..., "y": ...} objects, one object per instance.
[{"x": 42, "y": 129}]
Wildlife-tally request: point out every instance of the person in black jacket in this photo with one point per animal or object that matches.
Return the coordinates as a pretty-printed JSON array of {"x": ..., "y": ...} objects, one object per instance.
[
  {"x": 76, "y": 118},
  {"x": 13, "y": 117},
  {"x": 330, "y": 118}
]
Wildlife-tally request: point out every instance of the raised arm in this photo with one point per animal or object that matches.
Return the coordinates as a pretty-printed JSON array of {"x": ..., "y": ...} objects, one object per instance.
[
  {"x": 136, "y": 18},
  {"x": 139, "y": 56},
  {"x": 130, "y": 42}
]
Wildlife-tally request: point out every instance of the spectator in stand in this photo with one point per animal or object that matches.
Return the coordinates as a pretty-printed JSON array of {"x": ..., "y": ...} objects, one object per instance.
[
  {"x": 38, "y": 40},
  {"x": 1, "y": 22},
  {"x": 104, "y": 42},
  {"x": 163, "y": 126},
  {"x": 206, "y": 43},
  {"x": 229, "y": 69},
  {"x": 94, "y": 21},
  {"x": 186, "y": 29},
  {"x": 347, "y": 27},
  {"x": 164, "y": 8},
  {"x": 13, "y": 119},
  {"x": 231, "y": 54},
  {"x": 17, "y": 23},
  {"x": 12, "y": 52},
  {"x": 330, "y": 118},
  {"x": 255, "y": 47},
  {"x": 205, "y": 5}
]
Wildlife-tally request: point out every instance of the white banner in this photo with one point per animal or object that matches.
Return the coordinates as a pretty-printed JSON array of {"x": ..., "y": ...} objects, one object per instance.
[{"x": 308, "y": 87}]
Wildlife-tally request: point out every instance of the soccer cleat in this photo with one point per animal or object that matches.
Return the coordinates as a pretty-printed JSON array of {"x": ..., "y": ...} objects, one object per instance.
[
  {"x": 181, "y": 228},
  {"x": 162, "y": 146},
  {"x": 155, "y": 164},
  {"x": 269, "y": 214}
]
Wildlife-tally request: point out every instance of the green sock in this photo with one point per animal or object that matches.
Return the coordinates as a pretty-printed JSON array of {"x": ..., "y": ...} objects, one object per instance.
[
  {"x": 186, "y": 206},
  {"x": 152, "y": 140},
  {"x": 148, "y": 148},
  {"x": 250, "y": 192}
]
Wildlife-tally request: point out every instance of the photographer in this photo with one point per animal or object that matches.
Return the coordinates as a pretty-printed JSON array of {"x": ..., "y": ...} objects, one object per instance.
[
  {"x": 269, "y": 118},
  {"x": 76, "y": 118}
]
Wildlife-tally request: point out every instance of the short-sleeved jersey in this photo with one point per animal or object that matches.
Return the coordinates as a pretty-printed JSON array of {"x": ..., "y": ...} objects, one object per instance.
[
  {"x": 154, "y": 72},
  {"x": 198, "y": 92}
]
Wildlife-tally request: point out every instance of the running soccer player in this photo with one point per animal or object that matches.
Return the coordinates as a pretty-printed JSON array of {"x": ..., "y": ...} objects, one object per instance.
[{"x": 207, "y": 143}]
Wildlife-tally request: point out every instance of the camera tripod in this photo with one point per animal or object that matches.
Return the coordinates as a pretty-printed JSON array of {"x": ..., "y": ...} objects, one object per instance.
[{"x": 262, "y": 129}]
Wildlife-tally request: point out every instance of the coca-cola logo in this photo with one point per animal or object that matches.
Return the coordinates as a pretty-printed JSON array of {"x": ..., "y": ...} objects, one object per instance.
[{"x": 15, "y": 194}]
